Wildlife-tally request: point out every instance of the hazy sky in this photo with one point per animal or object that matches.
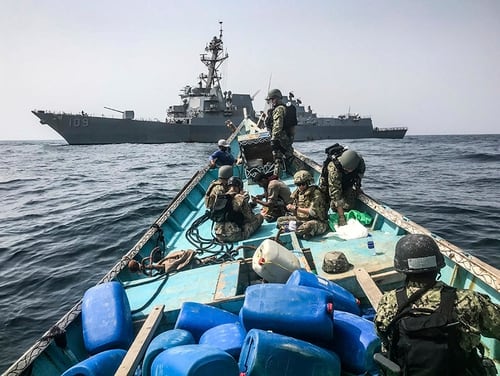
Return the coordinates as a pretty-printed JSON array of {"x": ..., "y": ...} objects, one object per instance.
[{"x": 431, "y": 65}]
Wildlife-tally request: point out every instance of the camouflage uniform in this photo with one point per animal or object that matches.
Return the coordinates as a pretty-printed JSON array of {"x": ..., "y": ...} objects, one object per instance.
[
  {"x": 340, "y": 196},
  {"x": 316, "y": 223},
  {"x": 217, "y": 187},
  {"x": 475, "y": 312},
  {"x": 278, "y": 196},
  {"x": 284, "y": 153},
  {"x": 230, "y": 231}
]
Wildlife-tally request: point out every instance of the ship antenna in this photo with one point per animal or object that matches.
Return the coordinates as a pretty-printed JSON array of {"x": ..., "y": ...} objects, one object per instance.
[{"x": 213, "y": 62}]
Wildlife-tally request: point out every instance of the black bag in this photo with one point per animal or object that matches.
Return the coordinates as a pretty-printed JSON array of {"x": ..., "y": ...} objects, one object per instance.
[
  {"x": 425, "y": 342},
  {"x": 290, "y": 119},
  {"x": 219, "y": 212}
]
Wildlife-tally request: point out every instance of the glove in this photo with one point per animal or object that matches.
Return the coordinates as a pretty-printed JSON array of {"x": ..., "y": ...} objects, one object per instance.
[{"x": 276, "y": 145}]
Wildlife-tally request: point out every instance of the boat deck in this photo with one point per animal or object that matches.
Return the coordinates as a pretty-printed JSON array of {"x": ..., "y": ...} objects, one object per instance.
[{"x": 204, "y": 284}]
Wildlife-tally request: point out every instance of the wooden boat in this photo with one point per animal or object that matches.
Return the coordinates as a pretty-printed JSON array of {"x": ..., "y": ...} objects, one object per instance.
[{"x": 207, "y": 296}]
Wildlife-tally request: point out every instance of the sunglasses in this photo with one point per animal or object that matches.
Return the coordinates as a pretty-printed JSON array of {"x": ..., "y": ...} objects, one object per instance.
[{"x": 299, "y": 184}]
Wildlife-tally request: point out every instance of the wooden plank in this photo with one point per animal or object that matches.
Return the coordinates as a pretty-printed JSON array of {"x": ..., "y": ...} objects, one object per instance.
[
  {"x": 138, "y": 347},
  {"x": 296, "y": 246},
  {"x": 369, "y": 286}
]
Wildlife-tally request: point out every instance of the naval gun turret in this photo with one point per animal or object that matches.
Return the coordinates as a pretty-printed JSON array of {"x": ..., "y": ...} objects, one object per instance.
[{"x": 128, "y": 114}]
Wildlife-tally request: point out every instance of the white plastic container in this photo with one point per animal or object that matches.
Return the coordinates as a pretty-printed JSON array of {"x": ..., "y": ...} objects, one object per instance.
[{"x": 273, "y": 262}]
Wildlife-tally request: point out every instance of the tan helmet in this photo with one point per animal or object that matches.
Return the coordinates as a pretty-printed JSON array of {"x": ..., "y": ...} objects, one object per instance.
[
  {"x": 302, "y": 176},
  {"x": 349, "y": 160},
  {"x": 274, "y": 93},
  {"x": 225, "y": 172}
]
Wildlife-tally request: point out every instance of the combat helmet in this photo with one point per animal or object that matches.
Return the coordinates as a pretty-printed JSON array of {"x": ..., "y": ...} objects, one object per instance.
[
  {"x": 274, "y": 93},
  {"x": 417, "y": 253},
  {"x": 302, "y": 176},
  {"x": 235, "y": 181},
  {"x": 349, "y": 159},
  {"x": 225, "y": 172}
]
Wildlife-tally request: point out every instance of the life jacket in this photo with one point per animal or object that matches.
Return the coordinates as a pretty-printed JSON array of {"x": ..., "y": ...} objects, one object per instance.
[
  {"x": 222, "y": 210},
  {"x": 425, "y": 342}
]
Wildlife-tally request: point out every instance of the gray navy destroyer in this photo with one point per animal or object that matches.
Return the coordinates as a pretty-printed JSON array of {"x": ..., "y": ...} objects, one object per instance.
[{"x": 206, "y": 113}]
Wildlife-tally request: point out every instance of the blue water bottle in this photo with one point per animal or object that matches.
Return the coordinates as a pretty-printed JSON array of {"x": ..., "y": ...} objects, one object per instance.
[{"x": 371, "y": 245}]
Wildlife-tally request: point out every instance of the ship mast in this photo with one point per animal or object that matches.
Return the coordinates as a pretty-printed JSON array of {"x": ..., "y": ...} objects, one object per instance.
[{"x": 213, "y": 62}]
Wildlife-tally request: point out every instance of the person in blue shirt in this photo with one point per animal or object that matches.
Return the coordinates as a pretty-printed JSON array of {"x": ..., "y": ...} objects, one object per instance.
[{"x": 222, "y": 156}]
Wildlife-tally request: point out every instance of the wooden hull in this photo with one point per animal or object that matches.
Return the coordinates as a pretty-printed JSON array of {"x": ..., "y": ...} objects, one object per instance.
[{"x": 223, "y": 284}]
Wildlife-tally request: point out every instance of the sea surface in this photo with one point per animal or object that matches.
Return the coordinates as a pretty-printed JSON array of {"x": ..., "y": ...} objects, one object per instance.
[{"x": 68, "y": 213}]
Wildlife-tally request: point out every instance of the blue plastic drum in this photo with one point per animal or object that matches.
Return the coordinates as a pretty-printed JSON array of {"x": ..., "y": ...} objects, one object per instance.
[
  {"x": 197, "y": 318},
  {"x": 103, "y": 364},
  {"x": 355, "y": 342},
  {"x": 343, "y": 300},
  {"x": 297, "y": 311},
  {"x": 271, "y": 354},
  {"x": 163, "y": 341},
  {"x": 194, "y": 360},
  {"x": 106, "y": 318},
  {"x": 227, "y": 337}
]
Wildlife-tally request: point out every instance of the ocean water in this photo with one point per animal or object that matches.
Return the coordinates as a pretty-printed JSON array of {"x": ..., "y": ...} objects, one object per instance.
[{"x": 68, "y": 213}]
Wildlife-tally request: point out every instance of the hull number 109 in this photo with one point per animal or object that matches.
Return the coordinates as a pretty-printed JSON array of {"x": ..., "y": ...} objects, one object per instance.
[{"x": 78, "y": 121}]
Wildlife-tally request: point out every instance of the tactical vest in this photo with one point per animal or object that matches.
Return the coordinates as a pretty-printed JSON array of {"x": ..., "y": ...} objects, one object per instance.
[
  {"x": 222, "y": 210},
  {"x": 208, "y": 195},
  {"x": 425, "y": 342}
]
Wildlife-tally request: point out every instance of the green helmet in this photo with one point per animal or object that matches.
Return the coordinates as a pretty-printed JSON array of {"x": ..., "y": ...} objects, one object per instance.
[
  {"x": 417, "y": 253},
  {"x": 274, "y": 93},
  {"x": 349, "y": 159},
  {"x": 302, "y": 176},
  {"x": 225, "y": 172}
]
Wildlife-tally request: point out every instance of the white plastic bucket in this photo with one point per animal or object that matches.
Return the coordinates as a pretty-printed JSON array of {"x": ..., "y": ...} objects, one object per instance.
[{"x": 273, "y": 262}]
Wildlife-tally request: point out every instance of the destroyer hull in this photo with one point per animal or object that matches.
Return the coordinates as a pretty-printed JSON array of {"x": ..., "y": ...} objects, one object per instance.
[{"x": 79, "y": 129}]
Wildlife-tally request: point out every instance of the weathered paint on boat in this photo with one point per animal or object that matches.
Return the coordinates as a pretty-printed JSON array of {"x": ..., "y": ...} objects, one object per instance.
[{"x": 223, "y": 285}]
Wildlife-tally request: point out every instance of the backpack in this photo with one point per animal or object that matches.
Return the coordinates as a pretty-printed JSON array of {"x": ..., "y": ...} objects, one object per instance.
[
  {"x": 222, "y": 210},
  {"x": 220, "y": 207},
  {"x": 290, "y": 119},
  {"x": 425, "y": 342},
  {"x": 332, "y": 153}
]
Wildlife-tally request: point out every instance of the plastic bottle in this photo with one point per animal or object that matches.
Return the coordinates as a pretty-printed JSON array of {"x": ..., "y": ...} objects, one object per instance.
[{"x": 371, "y": 245}]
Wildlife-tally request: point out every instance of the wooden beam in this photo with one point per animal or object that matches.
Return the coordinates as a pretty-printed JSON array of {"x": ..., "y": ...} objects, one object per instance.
[
  {"x": 296, "y": 246},
  {"x": 138, "y": 347},
  {"x": 369, "y": 286}
]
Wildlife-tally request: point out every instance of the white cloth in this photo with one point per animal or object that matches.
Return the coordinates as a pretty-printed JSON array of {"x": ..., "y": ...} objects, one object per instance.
[{"x": 352, "y": 230}]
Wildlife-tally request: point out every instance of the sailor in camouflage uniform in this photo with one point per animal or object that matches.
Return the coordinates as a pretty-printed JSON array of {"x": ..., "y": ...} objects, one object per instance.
[
  {"x": 218, "y": 186},
  {"x": 343, "y": 182},
  {"x": 244, "y": 222},
  {"x": 418, "y": 256},
  {"x": 309, "y": 207},
  {"x": 281, "y": 138},
  {"x": 275, "y": 198}
]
